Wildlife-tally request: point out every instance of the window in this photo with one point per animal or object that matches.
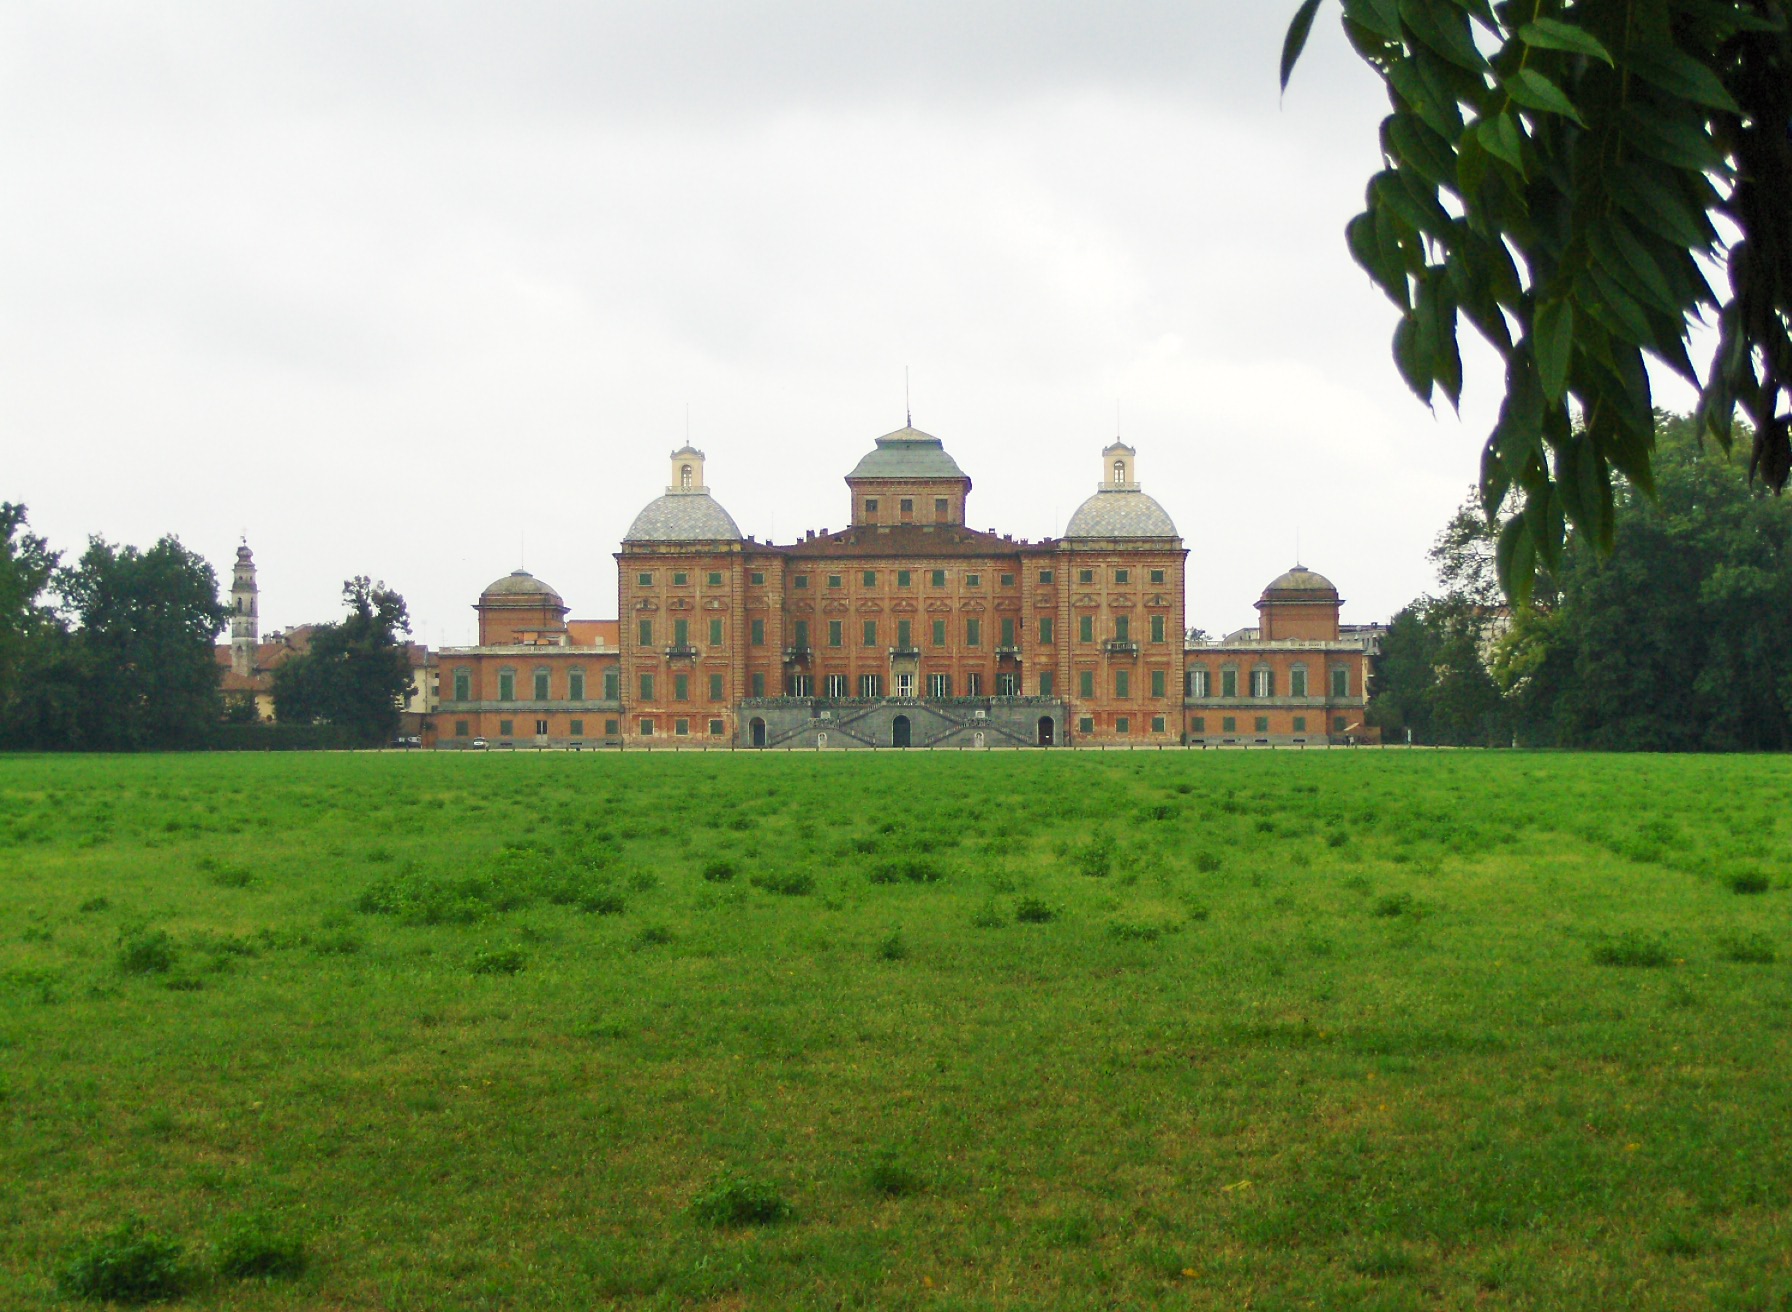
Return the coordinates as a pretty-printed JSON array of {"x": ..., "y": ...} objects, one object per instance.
[
  {"x": 1008, "y": 630},
  {"x": 757, "y": 633},
  {"x": 506, "y": 728},
  {"x": 1046, "y": 636},
  {"x": 871, "y": 685},
  {"x": 939, "y": 633},
  {"x": 717, "y": 728},
  {"x": 1229, "y": 724},
  {"x": 682, "y": 728},
  {"x": 834, "y": 685},
  {"x": 1007, "y": 580},
  {"x": 973, "y": 632},
  {"x": 1263, "y": 682},
  {"x": 941, "y": 508},
  {"x": 612, "y": 728},
  {"x": 575, "y": 686},
  {"x": 1007, "y": 685},
  {"x": 1157, "y": 576},
  {"x": 463, "y": 686},
  {"x": 542, "y": 685},
  {"x": 1122, "y": 628},
  {"x": 939, "y": 578},
  {"x": 681, "y": 633},
  {"x": 870, "y": 505},
  {"x": 686, "y": 477},
  {"x": 461, "y": 727},
  {"x": 1340, "y": 681},
  {"x": 1337, "y": 724},
  {"x": 908, "y": 505},
  {"x": 646, "y": 728},
  {"x": 1157, "y": 724},
  {"x": 1262, "y": 724},
  {"x": 1122, "y": 576},
  {"x": 1157, "y": 628},
  {"x": 612, "y": 685},
  {"x": 681, "y": 687},
  {"x": 939, "y": 685},
  {"x": 1300, "y": 724},
  {"x": 834, "y": 638},
  {"x": 757, "y": 578},
  {"x": 1045, "y": 683},
  {"x": 870, "y": 634},
  {"x": 869, "y": 578},
  {"x": 646, "y": 687},
  {"x": 1297, "y": 681},
  {"x": 715, "y": 687},
  {"x": 835, "y": 580},
  {"x": 715, "y": 578},
  {"x": 758, "y": 683},
  {"x": 541, "y": 728},
  {"x": 1085, "y": 725},
  {"x": 1085, "y": 683},
  {"x": 1045, "y": 576},
  {"x": 1122, "y": 683},
  {"x": 1119, "y": 480},
  {"x": 801, "y": 628},
  {"x": 644, "y": 633},
  {"x": 1196, "y": 681},
  {"x": 715, "y": 633},
  {"x": 1157, "y": 683},
  {"x": 801, "y": 685},
  {"x": 905, "y": 634},
  {"x": 973, "y": 684},
  {"x": 1197, "y": 724},
  {"x": 1122, "y": 724},
  {"x": 576, "y": 728},
  {"x": 643, "y": 580},
  {"x": 902, "y": 578},
  {"x": 905, "y": 685},
  {"x": 973, "y": 580},
  {"x": 1085, "y": 628},
  {"x": 506, "y": 685},
  {"x": 800, "y": 582},
  {"x": 1228, "y": 682},
  {"x": 680, "y": 578}
]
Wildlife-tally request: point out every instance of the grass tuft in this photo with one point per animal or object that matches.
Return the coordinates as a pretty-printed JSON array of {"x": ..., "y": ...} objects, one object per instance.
[
  {"x": 497, "y": 961},
  {"x": 1749, "y": 949},
  {"x": 1034, "y": 911},
  {"x": 1633, "y": 948},
  {"x": 735, "y": 1201},
  {"x": 253, "y": 1249},
  {"x": 147, "y": 952},
  {"x": 131, "y": 1264}
]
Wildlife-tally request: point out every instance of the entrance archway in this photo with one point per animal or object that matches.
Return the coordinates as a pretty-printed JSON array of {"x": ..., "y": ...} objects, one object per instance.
[
  {"x": 757, "y": 727},
  {"x": 899, "y": 731},
  {"x": 1045, "y": 731}
]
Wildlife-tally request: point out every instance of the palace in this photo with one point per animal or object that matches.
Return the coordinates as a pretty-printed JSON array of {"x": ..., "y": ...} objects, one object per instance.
[{"x": 905, "y": 629}]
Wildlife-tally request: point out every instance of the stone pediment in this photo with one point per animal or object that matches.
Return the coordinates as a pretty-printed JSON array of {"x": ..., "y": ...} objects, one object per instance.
[
  {"x": 758, "y": 603},
  {"x": 801, "y": 608},
  {"x": 867, "y": 606},
  {"x": 679, "y": 603},
  {"x": 1157, "y": 599},
  {"x": 1044, "y": 599},
  {"x": 1120, "y": 600},
  {"x": 904, "y": 606},
  {"x": 647, "y": 603},
  {"x": 937, "y": 605},
  {"x": 1087, "y": 599},
  {"x": 1007, "y": 603},
  {"x": 715, "y": 603},
  {"x": 972, "y": 607},
  {"x": 834, "y": 606}
]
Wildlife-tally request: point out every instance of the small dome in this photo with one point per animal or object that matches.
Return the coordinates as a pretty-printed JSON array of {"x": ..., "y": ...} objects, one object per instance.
[
  {"x": 683, "y": 517},
  {"x": 1120, "y": 512},
  {"x": 519, "y": 588},
  {"x": 1303, "y": 583},
  {"x": 244, "y": 555}
]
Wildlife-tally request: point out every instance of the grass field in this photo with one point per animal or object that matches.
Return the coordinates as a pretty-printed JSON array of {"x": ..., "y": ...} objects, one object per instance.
[{"x": 904, "y": 1031}]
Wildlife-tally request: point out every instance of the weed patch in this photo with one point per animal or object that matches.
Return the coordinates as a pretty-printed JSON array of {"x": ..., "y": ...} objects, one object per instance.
[
  {"x": 734, "y": 1201},
  {"x": 147, "y": 952},
  {"x": 254, "y": 1249},
  {"x": 131, "y": 1264},
  {"x": 1034, "y": 911},
  {"x": 1749, "y": 949},
  {"x": 786, "y": 883},
  {"x": 1632, "y": 948},
  {"x": 497, "y": 961}
]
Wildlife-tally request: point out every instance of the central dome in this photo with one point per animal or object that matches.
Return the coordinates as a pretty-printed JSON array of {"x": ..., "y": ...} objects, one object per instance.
[
  {"x": 907, "y": 453},
  {"x": 519, "y": 588},
  {"x": 1120, "y": 512},
  {"x": 683, "y": 517}
]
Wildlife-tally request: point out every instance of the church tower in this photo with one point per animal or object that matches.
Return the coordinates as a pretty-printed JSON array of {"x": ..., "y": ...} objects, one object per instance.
[{"x": 245, "y": 621}]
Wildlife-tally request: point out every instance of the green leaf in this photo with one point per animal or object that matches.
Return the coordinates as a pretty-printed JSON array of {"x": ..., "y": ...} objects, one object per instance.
[
  {"x": 1416, "y": 144},
  {"x": 1499, "y": 137},
  {"x": 1296, "y": 39},
  {"x": 1515, "y": 556},
  {"x": 1626, "y": 259},
  {"x": 1534, "y": 91},
  {"x": 1409, "y": 355},
  {"x": 1652, "y": 197},
  {"x": 1444, "y": 30},
  {"x": 1380, "y": 261},
  {"x": 1680, "y": 75},
  {"x": 1553, "y": 34},
  {"x": 1552, "y": 341},
  {"x": 1683, "y": 140},
  {"x": 1381, "y": 17}
]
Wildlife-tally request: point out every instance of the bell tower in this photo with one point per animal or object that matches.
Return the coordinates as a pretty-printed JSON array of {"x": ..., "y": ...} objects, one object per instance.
[{"x": 245, "y": 619}]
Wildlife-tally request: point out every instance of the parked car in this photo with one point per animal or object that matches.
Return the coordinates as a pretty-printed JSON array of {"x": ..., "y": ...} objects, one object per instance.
[{"x": 480, "y": 742}]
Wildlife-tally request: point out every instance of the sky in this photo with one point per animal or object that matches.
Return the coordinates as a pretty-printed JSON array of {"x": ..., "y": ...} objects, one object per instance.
[{"x": 427, "y": 291}]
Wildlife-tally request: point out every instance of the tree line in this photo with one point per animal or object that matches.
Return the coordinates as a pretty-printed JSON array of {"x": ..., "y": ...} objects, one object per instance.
[
  {"x": 117, "y": 652},
  {"x": 1679, "y": 639}
]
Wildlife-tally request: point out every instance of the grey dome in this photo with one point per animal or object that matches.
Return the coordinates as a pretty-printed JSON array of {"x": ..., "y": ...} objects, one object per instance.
[
  {"x": 1120, "y": 513},
  {"x": 519, "y": 588},
  {"x": 683, "y": 517},
  {"x": 1301, "y": 580},
  {"x": 907, "y": 453}
]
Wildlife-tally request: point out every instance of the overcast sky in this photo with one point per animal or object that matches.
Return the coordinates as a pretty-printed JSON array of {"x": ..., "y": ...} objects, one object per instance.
[{"x": 422, "y": 290}]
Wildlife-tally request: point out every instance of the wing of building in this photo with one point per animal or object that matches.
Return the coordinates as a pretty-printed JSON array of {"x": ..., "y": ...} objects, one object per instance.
[{"x": 906, "y": 628}]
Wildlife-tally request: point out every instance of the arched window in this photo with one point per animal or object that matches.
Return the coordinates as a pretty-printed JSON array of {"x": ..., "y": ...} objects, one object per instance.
[
  {"x": 1119, "y": 472},
  {"x": 684, "y": 477},
  {"x": 1297, "y": 681},
  {"x": 1263, "y": 682}
]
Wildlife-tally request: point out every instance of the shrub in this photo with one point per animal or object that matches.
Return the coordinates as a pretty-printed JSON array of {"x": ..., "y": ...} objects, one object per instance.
[
  {"x": 914, "y": 870},
  {"x": 96, "y": 904},
  {"x": 890, "y": 1178},
  {"x": 1132, "y": 931},
  {"x": 1095, "y": 859},
  {"x": 891, "y": 947},
  {"x": 1034, "y": 911},
  {"x": 233, "y": 877},
  {"x": 1207, "y": 862},
  {"x": 733, "y": 1201},
  {"x": 1632, "y": 948},
  {"x": 336, "y": 943},
  {"x": 719, "y": 872},
  {"x": 653, "y": 936},
  {"x": 497, "y": 961},
  {"x": 789, "y": 883},
  {"x": 146, "y": 952},
  {"x": 989, "y": 916},
  {"x": 1394, "y": 904},
  {"x": 1752, "y": 881},
  {"x": 130, "y": 1264},
  {"x": 1750, "y": 949},
  {"x": 252, "y": 1249},
  {"x": 600, "y": 903},
  {"x": 1337, "y": 838}
]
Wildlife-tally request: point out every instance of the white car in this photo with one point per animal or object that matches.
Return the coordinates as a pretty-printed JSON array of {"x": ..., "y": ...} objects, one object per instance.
[{"x": 480, "y": 742}]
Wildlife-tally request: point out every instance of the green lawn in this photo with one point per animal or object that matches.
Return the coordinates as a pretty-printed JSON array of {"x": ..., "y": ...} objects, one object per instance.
[{"x": 996, "y": 1030}]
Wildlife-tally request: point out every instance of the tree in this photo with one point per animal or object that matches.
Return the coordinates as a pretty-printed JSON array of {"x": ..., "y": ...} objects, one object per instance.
[
  {"x": 144, "y": 644},
  {"x": 39, "y": 673},
  {"x": 357, "y": 672},
  {"x": 1556, "y": 171}
]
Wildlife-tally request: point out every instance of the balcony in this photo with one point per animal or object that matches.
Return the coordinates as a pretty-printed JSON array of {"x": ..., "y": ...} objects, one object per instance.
[
  {"x": 1121, "y": 647},
  {"x": 1007, "y": 653},
  {"x": 796, "y": 653},
  {"x": 686, "y": 652},
  {"x": 905, "y": 653}
]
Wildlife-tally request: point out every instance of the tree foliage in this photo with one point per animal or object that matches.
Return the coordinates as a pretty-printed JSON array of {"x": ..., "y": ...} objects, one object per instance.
[
  {"x": 27, "y": 566},
  {"x": 1556, "y": 173},
  {"x": 356, "y": 672}
]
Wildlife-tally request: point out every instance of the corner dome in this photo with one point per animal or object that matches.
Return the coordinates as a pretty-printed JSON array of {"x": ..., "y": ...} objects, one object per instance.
[
  {"x": 907, "y": 453},
  {"x": 1120, "y": 512},
  {"x": 1302, "y": 583},
  {"x": 519, "y": 588},
  {"x": 683, "y": 517}
]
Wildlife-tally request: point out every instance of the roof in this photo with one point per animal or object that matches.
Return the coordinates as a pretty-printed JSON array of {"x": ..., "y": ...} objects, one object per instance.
[
  {"x": 913, "y": 541},
  {"x": 1116, "y": 512},
  {"x": 519, "y": 588},
  {"x": 907, "y": 453},
  {"x": 683, "y": 517},
  {"x": 1301, "y": 583}
]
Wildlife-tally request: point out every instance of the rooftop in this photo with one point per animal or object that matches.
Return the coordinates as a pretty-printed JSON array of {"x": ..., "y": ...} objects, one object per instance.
[{"x": 907, "y": 453}]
